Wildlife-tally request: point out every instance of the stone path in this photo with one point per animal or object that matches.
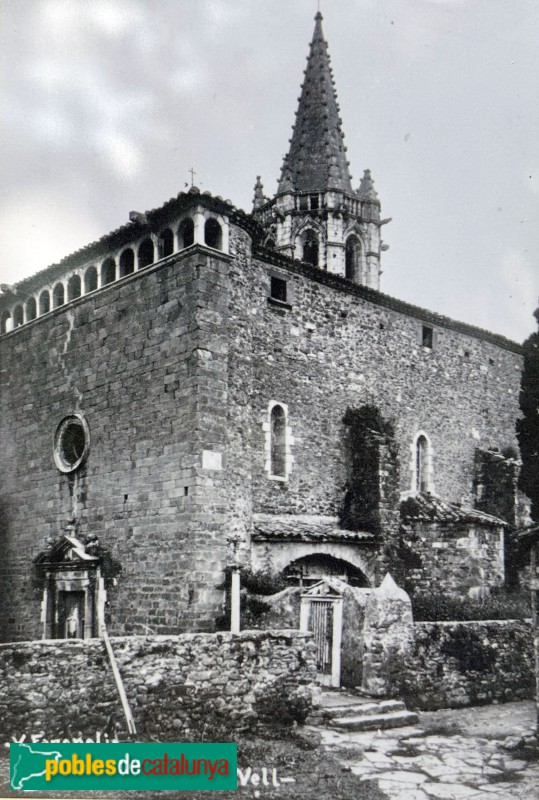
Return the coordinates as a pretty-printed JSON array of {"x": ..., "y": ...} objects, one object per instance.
[{"x": 459, "y": 762}]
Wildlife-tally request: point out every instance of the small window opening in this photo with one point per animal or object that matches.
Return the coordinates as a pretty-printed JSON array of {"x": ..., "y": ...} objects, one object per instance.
[
  {"x": 427, "y": 336},
  {"x": 212, "y": 234},
  {"x": 127, "y": 263},
  {"x": 315, "y": 203},
  {"x": 145, "y": 254},
  {"x": 18, "y": 317},
  {"x": 422, "y": 465},
  {"x": 90, "y": 280},
  {"x": 303, "y": 203},
  {"x": 108, "y": 271},
  {"x": 58, "y": 295},
  {"x": 31, "y": 309},
  {"x": 186, "y": 233},
  {"x": 491, "y": 362},
  {"x": 278, "y": 441},
  {"x": 44, "y": 302},
  {"x": 310, "y": 248},
  {"x": 278, "y": 289},
  {"x": 73, "y": 287},
  {"x": 166, "y": 243},
  {"x": 466, "y": 354}
]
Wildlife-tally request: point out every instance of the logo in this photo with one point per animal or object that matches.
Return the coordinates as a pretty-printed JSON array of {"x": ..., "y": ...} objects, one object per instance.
[{"x": 72, "y": 767}]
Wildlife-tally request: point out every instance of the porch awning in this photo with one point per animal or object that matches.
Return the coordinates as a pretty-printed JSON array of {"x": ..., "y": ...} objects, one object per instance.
[{"x": 304, "y": 528}]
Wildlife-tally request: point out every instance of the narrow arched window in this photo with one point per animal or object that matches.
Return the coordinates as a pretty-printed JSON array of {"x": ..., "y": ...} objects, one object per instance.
[
  {"x": 44, "y": 302},
  {"x": 108, "y": 271},
  {"x": 127, "y": 262},
  {"x": 422, "y": 464},
  {"x": 18, "y": 316},
  {"x": 145, "y": 254},
  {"x": 186, "y": 233},
  {"x": 352, "y": 252},
  {"x": 278, "y": 441},
  {"x": 58, "y": 295},
  {"x": 5, "y": 324},
  {"x": 166, "y": 243},
  {"x": 73, "y": 287},
  {"x": 212, "y": 234},
  {"x": 31, "y": 309},
  {"x": 90, "y": 280},
  {"x": 310, "y": 248}
]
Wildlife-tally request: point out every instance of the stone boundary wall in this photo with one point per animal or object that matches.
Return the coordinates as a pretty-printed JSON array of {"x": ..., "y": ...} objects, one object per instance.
[
  {"x": 469, "y": 663},
  {"x": 189, "y": 687}
]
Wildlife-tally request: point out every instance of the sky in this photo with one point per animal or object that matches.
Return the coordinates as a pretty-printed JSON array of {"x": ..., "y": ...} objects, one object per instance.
[{"x": 107, "y": 105}]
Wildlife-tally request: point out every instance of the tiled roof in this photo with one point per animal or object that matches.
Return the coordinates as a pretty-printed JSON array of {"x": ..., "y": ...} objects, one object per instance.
[
  {"x": 316, "y": 160},
  {"x": 427, "y": 508},
  {"x": 304, "y": 528}
]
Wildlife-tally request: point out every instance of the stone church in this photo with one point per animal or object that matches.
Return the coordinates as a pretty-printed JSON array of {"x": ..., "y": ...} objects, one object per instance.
[{"x": 205, "y": 386}]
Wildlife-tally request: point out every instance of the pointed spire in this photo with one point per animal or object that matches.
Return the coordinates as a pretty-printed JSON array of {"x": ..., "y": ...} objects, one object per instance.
[
  {"x": 317, "y": 157},
  {"x": 259, "y": 198},
  {"x": 366, "y": 189}
]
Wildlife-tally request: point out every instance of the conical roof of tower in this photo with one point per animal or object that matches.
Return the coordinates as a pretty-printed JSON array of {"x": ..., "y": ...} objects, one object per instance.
[{"x": 316, "y": 160}]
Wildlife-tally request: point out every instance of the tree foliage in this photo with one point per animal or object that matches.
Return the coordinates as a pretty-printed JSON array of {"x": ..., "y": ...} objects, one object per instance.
[{"x": 528, "y": 426}]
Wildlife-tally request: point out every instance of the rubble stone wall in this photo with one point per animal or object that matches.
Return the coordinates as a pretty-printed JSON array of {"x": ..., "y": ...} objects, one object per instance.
[
  {"x": 188, "y": 687},
  {"x": 469, "y": 663}
]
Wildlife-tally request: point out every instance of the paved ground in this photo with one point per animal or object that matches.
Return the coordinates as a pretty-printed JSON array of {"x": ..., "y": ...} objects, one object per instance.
[{"x": 452, "y": 754}]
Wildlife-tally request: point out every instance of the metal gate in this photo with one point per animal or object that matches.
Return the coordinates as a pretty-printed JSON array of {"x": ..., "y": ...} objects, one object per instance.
[
  {"x": 321, "y": 624},
  {"x": 321, "y": 615}
]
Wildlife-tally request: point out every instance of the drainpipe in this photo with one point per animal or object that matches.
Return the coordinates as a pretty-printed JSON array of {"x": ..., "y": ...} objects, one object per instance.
[{"x": 113, "y": 663}]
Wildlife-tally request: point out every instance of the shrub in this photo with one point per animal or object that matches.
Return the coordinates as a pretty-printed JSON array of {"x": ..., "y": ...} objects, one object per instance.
[{"x": 448, "y": 608}]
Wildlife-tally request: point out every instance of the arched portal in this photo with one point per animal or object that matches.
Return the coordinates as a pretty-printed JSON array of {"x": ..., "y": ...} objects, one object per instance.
[{"x": 312, "y": 568}]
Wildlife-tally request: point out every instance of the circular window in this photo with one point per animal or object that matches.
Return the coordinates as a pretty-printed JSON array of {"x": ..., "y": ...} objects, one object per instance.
[{"x": 71, "y": 443}]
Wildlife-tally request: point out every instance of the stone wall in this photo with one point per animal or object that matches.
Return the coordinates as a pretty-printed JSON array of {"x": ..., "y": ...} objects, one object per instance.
[
  {"x": 453, "y": 558},
  {"x": 332, "y": 349},
  {"x": 469, "y": 663},
  {"x": 193, "y": 686},
  {"x": 144, "y": 360}
]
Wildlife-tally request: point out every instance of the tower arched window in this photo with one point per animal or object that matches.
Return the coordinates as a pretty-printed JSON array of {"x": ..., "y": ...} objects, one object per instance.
[
  {"x": 422, "y": 465},
  {"x": 5, "y": 323},
  {"x": 213, "y": 235},
  {"x": 166, "y": 243},
  {"x": 18, "y": 316},
  {"x": 310, "y": 248},
  {"x": 90, "y": 280},
  {"x": 186, "y": 233},
  {"x": 127, "y": 262},
  {"x": 73, "y": 287},
  {"x": 108, "y": 271},
  {"x": 44, "y": 302},
  {"x": 145, "y": 254},
  {"x": 352, "y": 255},
  {"x": 31, "y": 309},
  {"x": 58, "y": 295},
  {"x": 278, "y": 441}
]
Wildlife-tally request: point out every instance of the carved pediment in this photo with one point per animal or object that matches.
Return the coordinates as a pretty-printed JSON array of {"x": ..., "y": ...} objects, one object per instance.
[{"x": 68, "y": 551}]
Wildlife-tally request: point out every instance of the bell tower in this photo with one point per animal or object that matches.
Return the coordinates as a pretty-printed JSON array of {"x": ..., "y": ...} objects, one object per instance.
[{"x": 316, "y": 216}]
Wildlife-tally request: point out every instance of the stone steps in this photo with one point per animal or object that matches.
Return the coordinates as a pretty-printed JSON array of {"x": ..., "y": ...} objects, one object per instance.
[
  {"x": 373, "y": 722},
  {"x": 351, "y": 713}
]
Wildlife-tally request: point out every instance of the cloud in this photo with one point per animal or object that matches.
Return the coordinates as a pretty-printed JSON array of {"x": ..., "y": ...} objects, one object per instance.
[{"x": 39, "y": 239}]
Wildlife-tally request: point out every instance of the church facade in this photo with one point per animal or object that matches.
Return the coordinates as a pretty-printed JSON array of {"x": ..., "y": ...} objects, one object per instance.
[{"x": 204, "y": 387}]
